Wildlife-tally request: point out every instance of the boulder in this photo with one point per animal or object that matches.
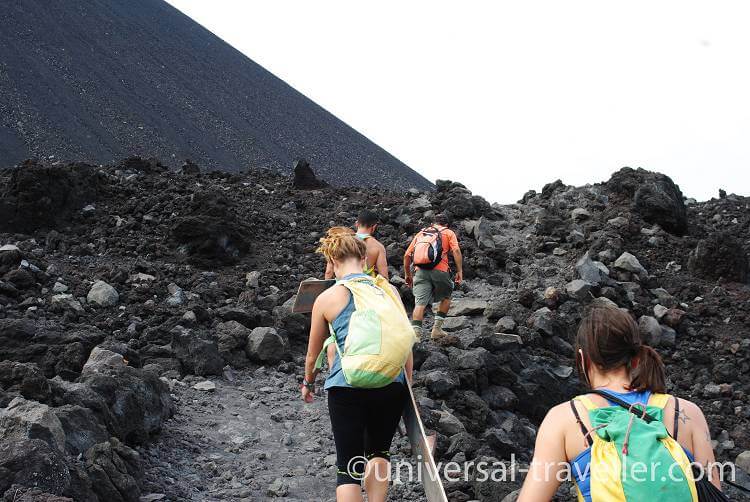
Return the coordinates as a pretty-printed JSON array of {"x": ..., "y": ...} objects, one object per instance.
[
  {"x": 456, "y": 323},
  {"x": 190, "y": 168},
  {"x": 505, "y": 324},
  {"x": 668, "y": 337},
  {"x": 33, "y": 463},
  {"x": 743, "y": 461},
  {"x": 591, "y": 271},
  {"x": 580, "y": 214},
  {"x": 103, "y": 295},
  {"x": 176, "y": 295},
  {"x": 304, "y": 176},
  {"x": 24, "y": 378},
  {"x": 720, "y": 255},
  {"x": 231, "y": 338},
  {"x": 10, "y": 258},
  {"x": 630, "y": 263},
  {"x": 66, "y": 301},
  {"x": 198, "y": 355},
  {"x": 265, "y": 345},
  {"x": 210, "y": 232},
  {"x": 82, "y": 428},
  {"x": 24, "y": 419},
  {"x": 579, "y": 289},
  {"x": 546, "y": 322},
  {"x": 500, "y": 398},
  {"x": 440, "y": 383},
  {"x": 483, "y": 234},
  {"x": 205, "y": 386},
  {"x": 101, "y": 359},
  {"x": 651, "y": 331},
  {"x": 655, "y": 197},
  {"x": 131, "y": 402},
  {"x": 467, "y": 307},
  {"x": 115, "y": 471},
  {"x": 448, "y": 424}
]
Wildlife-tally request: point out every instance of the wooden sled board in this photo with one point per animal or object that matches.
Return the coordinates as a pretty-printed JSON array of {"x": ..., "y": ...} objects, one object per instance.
[
  {"x": 422, "y": 447},
  {"x": 308, "y": 292}
]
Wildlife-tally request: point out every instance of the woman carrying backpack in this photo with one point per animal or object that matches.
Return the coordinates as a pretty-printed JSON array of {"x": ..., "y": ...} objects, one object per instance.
[
  {"x": 367, "y": 382},
  {"x": 626, "y": 440}
]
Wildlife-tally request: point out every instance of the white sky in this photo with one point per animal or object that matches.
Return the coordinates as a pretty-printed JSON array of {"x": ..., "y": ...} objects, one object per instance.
[{"x": 507, "y": 96}]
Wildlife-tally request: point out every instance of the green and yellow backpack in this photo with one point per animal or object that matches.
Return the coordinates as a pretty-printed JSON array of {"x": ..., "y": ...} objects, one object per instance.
[
  {"x": 626, "y": 437},
  {"x": 380, "y": 336}
]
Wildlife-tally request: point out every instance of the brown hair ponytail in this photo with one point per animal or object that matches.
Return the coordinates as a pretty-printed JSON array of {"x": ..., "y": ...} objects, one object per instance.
[
  {"x": 609, "y": 338},
  {"x": 649, "y": 373}
]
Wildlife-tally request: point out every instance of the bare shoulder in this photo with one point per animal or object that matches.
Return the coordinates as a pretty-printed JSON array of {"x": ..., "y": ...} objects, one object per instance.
[
  {"x": 690, "y": 410},
  {"x": 332, "y": 298},
  {"x": 375, "y": 244},
  {"x": 560, "y": 415}
]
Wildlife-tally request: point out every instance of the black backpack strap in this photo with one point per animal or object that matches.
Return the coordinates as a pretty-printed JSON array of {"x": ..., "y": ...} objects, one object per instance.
[
  {"x": 639, "y": 413},
  {"x": 676, "y": 428},
  {"x": 584, "y": 430}
]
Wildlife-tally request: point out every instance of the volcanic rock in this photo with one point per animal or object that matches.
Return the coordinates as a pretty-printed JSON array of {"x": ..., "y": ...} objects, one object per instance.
[
  {"x": 103, "y": 294},
  {"x": 24, "y": 419},
  {"x": 43, "y": 197},
  {"x": 266, "y": 345},
  {"x": 655, "y": 197},
  {"x": 304, "y": 177},
  {"x": 197, "y": 354},
  {"x": 720, "y": 255}
]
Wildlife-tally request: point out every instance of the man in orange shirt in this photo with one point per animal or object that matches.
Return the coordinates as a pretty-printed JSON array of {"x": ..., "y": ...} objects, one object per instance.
[{"x": 432, "y": 282}]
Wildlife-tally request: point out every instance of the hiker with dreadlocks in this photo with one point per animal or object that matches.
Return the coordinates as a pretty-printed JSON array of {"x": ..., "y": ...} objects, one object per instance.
[
  {"x": 365, "y": 321},
  {"x": 626, "y": 439}
]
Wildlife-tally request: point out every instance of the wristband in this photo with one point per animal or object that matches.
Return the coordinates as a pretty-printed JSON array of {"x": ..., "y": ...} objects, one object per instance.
[{"x": 309, "y": 385}]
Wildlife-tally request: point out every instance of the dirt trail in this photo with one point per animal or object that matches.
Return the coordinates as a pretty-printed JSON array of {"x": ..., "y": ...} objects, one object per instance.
[{"x": 250, "y": 439}]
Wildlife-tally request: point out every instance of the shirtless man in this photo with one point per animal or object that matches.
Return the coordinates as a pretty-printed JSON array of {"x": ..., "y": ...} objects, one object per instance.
[{"x": 367, "y": 224}]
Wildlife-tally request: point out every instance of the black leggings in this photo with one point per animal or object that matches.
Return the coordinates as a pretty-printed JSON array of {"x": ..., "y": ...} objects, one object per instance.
[{"x": 363, "y": 422}]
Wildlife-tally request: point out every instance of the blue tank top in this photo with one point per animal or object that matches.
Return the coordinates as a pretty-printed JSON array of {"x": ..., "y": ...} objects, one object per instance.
[
  {"x": 581, "y": 465},
  {"x": 340, "y": 327}
]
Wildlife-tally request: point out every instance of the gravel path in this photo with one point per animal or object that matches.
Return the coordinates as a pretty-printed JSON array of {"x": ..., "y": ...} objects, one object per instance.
[{"x": 251, "y": 438}]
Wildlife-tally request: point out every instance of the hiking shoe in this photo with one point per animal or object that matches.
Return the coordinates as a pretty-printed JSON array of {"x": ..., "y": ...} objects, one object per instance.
[
  {"x": 437, "y": 333},
  {"x": 418, "y": 331}
]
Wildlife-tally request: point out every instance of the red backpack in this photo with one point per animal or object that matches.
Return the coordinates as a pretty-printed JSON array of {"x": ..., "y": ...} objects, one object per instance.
[{"x": 428, "y": 248}]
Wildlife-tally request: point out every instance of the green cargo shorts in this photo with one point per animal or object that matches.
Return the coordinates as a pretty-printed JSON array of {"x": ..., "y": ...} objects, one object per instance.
[{"x": 432, "y": 286}]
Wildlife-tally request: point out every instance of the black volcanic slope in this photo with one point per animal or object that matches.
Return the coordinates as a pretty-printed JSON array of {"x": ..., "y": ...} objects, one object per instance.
[{"x": 99, "y": 80}]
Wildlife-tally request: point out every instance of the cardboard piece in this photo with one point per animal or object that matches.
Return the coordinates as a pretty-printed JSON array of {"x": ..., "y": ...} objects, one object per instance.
[{"x": 308, "y": 292}]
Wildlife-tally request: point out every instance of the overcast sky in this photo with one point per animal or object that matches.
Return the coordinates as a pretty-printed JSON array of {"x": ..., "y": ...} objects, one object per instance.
[{"x": 507, "y": 96}]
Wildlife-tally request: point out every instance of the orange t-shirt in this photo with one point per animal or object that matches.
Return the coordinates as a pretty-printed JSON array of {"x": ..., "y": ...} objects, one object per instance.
[{"x": 450, "y": 242}]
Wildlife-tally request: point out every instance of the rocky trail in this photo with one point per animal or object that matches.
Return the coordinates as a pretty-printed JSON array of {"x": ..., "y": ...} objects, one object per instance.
[
  {"x": 248, "y": 436},
  {"x": 148, "y": 350}
]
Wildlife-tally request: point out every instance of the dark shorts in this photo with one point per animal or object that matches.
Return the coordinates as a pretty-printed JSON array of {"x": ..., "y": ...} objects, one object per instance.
[
  {"x": 432, "y": 286},
  {"x": 363, "y": 422}
]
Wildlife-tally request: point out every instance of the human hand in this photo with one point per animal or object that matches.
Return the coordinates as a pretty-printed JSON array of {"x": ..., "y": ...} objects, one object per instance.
[
  {"x": 307, "y": 394},
  {"x": 409, "y": 280},
  {"x": 459, "y": 278}
]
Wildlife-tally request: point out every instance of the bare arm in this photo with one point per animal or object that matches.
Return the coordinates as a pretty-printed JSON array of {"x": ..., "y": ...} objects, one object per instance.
[
  {"x": 409, "y": 367},
  {"x": 458, "y": 258},
  {"x": 318, "y": 334},
  {"x": 407, "y": 269},
  {"x": 329, "y": 270},
  {"x": 701, "y": 439},
  {"x": 542, "y": 480},
  {"x": 381, "y": 265}
]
